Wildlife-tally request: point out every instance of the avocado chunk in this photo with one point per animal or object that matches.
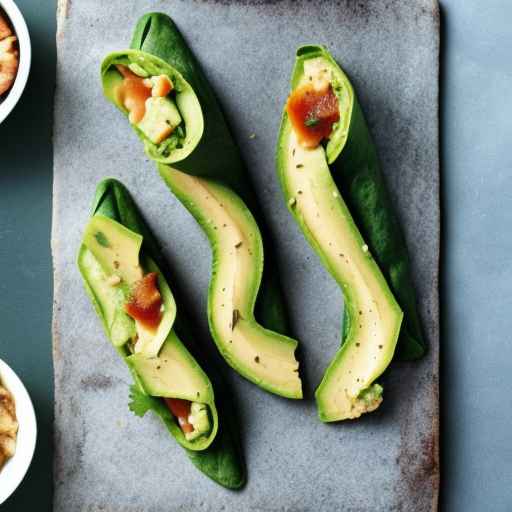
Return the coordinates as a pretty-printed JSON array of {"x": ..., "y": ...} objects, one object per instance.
[
  {"x": 160, "y": 119},
  {"x": 199, "y": 419},
  {"x": 116, "y": 249},
  {"x": 374, "y": 317},
  {"x": 260, "y": 355}
]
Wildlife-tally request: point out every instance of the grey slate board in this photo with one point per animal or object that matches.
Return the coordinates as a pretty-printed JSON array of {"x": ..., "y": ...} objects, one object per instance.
[{"x": 109, "y": 460}]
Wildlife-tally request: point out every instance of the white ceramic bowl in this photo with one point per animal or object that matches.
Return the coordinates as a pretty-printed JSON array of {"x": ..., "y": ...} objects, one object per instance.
[
  {"x": 20, "y": 28},
  {"x": 15, "y": 469}
]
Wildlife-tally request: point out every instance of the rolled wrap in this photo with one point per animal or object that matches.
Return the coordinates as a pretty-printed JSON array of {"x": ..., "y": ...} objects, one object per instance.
[
  {"x": 355, "y": 168},
  {"x": 218, "y": 455},
  {"x": 186, "y": 101}
]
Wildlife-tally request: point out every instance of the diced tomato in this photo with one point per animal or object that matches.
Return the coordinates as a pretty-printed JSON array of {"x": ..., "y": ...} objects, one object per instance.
[
  {"x": 181, "y": 410},
  {"x": 145, "y": 302},
  {"x": 312, "y": 114},
  {"x": 186, "y": 426},
  {"x": 162, "y": 86},
  {"x": 133, "y": 93}
]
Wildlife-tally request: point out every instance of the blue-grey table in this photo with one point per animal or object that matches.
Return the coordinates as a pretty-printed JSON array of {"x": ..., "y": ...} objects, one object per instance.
[{"x": 476, "y": 303}]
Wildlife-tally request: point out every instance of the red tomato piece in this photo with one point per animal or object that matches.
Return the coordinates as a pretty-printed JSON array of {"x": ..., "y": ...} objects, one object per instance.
[
  {"x": 145, "y": 303},
  {"x": 133, "y": 93},
  {"x": 181, "y": 410},
  {"x": 312, "y": 114},
  {"x": 186, "y": 426}
]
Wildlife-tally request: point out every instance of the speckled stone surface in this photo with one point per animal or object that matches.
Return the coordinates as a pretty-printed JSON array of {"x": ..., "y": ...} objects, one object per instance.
[{"x": 106, "y": 459}]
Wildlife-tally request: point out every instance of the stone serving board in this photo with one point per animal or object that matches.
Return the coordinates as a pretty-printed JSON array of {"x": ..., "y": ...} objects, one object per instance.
[{"x": 106, "y": 459}]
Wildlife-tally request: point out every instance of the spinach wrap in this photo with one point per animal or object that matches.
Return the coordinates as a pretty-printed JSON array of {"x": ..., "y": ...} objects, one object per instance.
[
  {"x": 354, "y": 166},
  {"x": 125, "y": 276}
]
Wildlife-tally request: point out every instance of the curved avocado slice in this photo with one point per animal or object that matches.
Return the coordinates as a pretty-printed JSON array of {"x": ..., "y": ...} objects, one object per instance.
[
  {"x": 352, "y": 158},
  {"x": 183, "y": 111},
  {"x": 260, "y": 355},
  {"x": 214, "y": 169},
  {"x": 174, "y": 372},
  {"x": 374, "y": 317}
]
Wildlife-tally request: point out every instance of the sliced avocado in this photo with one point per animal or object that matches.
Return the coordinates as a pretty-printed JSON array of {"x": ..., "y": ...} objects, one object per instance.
[
  {"x": 174, "y": 373},
  {"x": 116, "y": 249},
  {"x": 160, "y": 119},
  {"x": 374, "y": 317},
  {"x": 260, "y": 355},
  {"x": 108, "y": 300}
]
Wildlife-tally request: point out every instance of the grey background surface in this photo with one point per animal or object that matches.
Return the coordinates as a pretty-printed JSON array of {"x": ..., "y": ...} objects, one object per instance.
[
  {"x": 389, "y": 459},
  {"x": 475, "y": 127}
]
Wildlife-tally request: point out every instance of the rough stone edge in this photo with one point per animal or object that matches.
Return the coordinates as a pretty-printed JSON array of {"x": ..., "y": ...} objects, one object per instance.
[
  {"x": 62, "y": 12},
  {"x": 436, "y": 477}
]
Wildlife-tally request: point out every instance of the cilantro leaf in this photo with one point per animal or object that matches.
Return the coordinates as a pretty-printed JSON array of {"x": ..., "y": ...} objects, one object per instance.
[
  {"x": 140, "y": 403},
  {"x": 101, "y": 239},
  {"x": 310, "y": 122}
]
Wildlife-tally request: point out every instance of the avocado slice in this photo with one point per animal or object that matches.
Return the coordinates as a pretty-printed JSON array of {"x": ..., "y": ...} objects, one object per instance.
[
  {"x": 172, "y": 125},
  {"x": 213, "y": 184},
  {"x": 115, "y": 247},
  {"x": 262, "y": 356},
  {"x": 372, "y": 314},
  {"x": 117, "y": 250},
  {"x": 108, "y": 301},
  {"x": 169, "y": 375}
]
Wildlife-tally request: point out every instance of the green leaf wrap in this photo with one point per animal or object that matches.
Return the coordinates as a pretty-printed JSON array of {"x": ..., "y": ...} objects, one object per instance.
[
  {"x": 356, "y": 171},
  {"x": 222, "y": 461}
]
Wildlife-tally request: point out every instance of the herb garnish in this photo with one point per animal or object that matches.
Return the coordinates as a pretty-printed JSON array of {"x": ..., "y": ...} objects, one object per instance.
[
  {"x": 311, "y": 121},
  {"x": 140, "y": 403},
  {"x": 101, "y": 239}
]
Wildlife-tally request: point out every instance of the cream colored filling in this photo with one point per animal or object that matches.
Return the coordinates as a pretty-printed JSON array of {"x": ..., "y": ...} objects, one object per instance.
[{"x": 317, "y": 72}]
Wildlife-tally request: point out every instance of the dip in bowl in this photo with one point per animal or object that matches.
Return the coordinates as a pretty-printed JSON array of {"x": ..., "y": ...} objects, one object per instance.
[
  {"x": 15, "y": 467},
  {"x": 15, "y": 56}
]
